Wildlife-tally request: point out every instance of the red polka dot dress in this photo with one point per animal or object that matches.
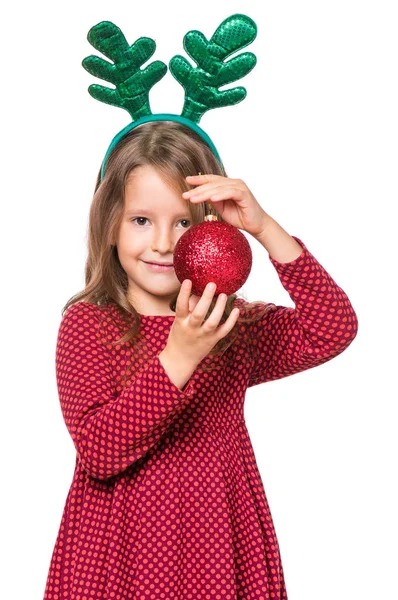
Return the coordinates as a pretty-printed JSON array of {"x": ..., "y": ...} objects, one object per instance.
[{"x": 166, "y": 501}]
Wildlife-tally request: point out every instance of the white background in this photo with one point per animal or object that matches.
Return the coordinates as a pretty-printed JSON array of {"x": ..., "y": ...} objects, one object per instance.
[{"x": 316, "y": 142}]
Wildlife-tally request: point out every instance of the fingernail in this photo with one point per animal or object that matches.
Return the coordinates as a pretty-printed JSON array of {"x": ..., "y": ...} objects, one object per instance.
[{"x": 212, "y": 286}]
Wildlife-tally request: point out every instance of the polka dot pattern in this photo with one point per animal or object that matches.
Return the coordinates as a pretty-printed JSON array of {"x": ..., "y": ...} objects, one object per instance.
[{"x": 167, "y": 502}]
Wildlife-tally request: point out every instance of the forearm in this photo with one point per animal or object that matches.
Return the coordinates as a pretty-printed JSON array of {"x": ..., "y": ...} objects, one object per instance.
[
  {"x": 111, "y": 437},
  {"x": 279, "y": 244},
  {"x": 321, "y": 325},
  {"x": 178, "y": 370}
]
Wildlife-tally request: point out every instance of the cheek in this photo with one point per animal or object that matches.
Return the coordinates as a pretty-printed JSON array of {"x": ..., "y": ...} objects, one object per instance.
[
  {"x": 132, "y": 241},
  {"x": 183, "y": 230}
]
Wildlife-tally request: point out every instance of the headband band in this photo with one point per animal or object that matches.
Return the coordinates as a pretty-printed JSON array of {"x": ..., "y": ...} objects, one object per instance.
[{"x": 160, "y": 117}]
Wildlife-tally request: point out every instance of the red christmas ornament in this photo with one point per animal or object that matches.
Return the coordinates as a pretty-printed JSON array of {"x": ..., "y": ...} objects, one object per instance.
[{"x": 213, "y": 251}]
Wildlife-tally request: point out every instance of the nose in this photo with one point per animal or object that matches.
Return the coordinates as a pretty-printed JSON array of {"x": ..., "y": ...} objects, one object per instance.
[{"x": 162, "y": 240}]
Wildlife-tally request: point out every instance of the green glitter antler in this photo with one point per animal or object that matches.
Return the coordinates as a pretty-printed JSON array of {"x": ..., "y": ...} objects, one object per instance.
[
  {"x": 201, "y": 82},
  {"x": 132, "y": 84}
]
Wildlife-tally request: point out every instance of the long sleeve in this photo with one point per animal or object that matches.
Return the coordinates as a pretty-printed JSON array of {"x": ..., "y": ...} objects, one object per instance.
[
  {"x": 323, "y": 323},
  {"x": 110, "y": 432}
]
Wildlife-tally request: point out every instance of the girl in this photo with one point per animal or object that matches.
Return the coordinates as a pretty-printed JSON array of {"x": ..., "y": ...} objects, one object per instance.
[{"x": 166, "y": 500}]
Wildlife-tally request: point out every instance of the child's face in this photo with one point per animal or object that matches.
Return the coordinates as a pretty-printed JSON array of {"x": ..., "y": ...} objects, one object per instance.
[{"x": 155, "y": 217}]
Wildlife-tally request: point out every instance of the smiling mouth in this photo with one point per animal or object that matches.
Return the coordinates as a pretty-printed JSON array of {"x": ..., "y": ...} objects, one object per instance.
[{"x": 156, "y": 267}]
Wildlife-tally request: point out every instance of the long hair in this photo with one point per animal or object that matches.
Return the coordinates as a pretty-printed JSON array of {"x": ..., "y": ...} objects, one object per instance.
[{"x": 175, "y": 151}]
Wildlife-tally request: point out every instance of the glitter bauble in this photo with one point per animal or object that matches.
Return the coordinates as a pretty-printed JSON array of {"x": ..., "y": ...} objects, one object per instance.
[{"x": 213, "y": 251}]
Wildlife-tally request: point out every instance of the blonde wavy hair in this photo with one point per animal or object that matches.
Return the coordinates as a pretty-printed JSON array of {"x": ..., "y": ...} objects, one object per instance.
[{"x": 175, "y": 151}]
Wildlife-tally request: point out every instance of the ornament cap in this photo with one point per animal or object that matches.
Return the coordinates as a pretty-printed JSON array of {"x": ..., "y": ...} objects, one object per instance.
[{"x": 210, "y": 213}]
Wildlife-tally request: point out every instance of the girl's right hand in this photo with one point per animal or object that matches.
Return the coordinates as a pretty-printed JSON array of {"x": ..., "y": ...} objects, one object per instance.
[{"x": 191, "y": 336}]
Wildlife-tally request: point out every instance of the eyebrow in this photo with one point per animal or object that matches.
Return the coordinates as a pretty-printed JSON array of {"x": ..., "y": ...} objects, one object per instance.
[{"x": 140, "y": 211}]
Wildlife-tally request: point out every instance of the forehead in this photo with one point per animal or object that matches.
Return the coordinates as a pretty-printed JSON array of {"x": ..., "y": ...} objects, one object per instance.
[
  {"x": 147, "y": 188},
  {"x": 148, "y": 177}
]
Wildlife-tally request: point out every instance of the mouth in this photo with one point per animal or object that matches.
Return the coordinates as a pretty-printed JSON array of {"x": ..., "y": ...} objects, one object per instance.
[{"x": 160, "y": 267}]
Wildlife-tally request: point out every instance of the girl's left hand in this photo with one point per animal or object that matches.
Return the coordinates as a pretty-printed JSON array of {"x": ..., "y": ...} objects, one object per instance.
[{"x": 231, "y": 198}]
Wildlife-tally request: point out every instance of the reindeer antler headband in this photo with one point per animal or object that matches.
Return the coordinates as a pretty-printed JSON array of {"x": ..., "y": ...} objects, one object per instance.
[{"x": 200, "y": 83}]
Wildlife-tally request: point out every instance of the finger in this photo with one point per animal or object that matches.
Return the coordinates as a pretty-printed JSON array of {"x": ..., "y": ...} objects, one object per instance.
[
  {"x": 205, "y": 188},
  {"x": 205, "y": 177},
  {"x": 182, "y": 306},
  {"x": 202, "y": 307},
  {"x": 218, "y": 310},
  {"x": 193, "y": 300},
  {"x": 229, "y": 324},
  {"x": 222, "y": 194}
]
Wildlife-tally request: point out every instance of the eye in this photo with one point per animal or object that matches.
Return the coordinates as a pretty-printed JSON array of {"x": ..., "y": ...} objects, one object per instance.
[
  {"x": 135, "y": 219},
  {"x": 140, "y": 219},
  {"x": 186, "y": 221}
]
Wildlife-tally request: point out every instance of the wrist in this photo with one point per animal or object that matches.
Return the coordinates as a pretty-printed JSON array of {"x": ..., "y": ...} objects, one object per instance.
[
  {"x": 178, "y": 368},
  {"x": 265, "y": 222},
  {"x": 173, "y": 355}
]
